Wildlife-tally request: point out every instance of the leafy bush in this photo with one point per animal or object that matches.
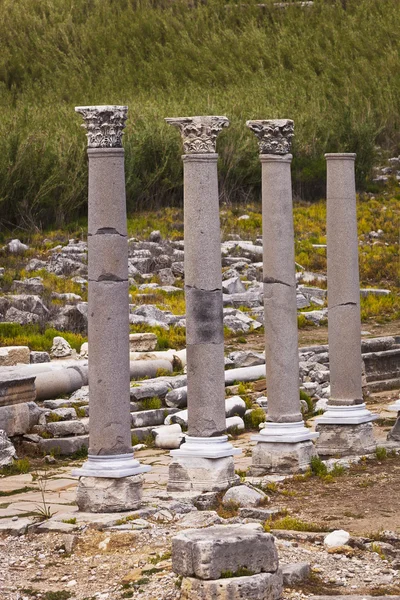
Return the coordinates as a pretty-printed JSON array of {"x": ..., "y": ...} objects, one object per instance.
[{"x": 188, "y": 58}]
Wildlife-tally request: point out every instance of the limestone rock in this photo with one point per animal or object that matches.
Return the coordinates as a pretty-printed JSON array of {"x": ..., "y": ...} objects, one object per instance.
[
  {"x": 84, "y": 350},
  {"x": 247, "y": 358},
  {"x": 17, "y": 247},
  {"x": 60, "y": 348},
  {"x": 177, "y": 398},
  {"x": 233, "y": 286},
  {"x": 244, "y": 496},
  {"x": 336, "y": 539},
  {"x": 37, "y": 357},
  {"x": 7, "y": 450},
  {"x": 208, "y": 553},
  {"x": 294, "y": 573}
]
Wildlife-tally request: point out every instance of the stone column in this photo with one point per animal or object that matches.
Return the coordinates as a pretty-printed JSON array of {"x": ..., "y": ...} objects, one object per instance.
[
  {"x": 346, "y": 426},
  {"x": 204, "y": 462},
  {"x": 110, "y": 480},
  {"x": 284, "y": 444}
]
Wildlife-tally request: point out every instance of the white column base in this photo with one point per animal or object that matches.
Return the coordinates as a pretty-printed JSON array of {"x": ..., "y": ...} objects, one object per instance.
[
  {"x": 356, "y": 414},
  {"x": 206, "y": 447},
  {"x": 395, "y": 407},
  {"x": 285, "y": 433},
  {"x": 111, "y": 466}
]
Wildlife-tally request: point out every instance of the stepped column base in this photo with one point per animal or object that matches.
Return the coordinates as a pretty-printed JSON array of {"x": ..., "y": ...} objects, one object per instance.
[{"x": 346, "y": 431}]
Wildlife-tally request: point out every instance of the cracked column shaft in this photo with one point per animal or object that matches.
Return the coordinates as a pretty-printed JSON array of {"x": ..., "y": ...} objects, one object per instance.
[
  {"x": 344, "y": 320},
  {"x": 205, "y": 461},
  {"x": 280, "y": 309},
  {"x": 110, "y": 456}
]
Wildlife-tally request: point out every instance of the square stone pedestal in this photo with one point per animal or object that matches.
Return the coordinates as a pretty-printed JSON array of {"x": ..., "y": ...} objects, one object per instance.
[
  {"x": 346, "y": 431},
  {"x": 102, "y": 494},
  {"x": 202, "y": 465},
  {"x": 345, "y": 440},
  {"x": 194, "y": 473},
  {"x": 276, "y": 457}
]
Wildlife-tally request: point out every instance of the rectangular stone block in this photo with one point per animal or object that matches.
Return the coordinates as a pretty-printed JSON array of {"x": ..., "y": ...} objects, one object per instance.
[
  {"x": 204, "y": 316},
  {"x": 13, "y": 355},
  {"x": 209, "y": 553},
  {"x": 16, "y": 389}
]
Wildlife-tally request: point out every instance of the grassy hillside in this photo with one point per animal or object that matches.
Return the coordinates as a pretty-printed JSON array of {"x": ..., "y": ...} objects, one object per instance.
[{"x": 334, "y": 69}]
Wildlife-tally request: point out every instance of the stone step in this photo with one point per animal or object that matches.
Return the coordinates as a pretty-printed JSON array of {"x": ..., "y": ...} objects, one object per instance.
[{"x": 384, "y": 385}]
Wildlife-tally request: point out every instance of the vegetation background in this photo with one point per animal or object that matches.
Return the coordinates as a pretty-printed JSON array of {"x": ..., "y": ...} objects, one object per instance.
[{"x": 334, "y": 68}]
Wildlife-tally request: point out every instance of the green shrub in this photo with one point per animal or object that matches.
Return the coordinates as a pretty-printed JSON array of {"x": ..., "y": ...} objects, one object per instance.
[{"x": 253, "y": 419}]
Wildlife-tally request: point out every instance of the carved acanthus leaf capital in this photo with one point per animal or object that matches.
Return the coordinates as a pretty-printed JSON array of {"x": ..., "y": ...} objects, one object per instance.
[
  {"x": 104, "y": 125},
  {"x": 199, "y": 134},
  {"x": 274, "y": 136}
]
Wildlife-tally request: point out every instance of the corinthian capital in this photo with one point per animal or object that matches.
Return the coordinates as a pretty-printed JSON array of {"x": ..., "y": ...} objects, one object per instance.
[
  {"x": 104, "y": 125},
  {"x": 274, "y": 136},
  {"x": 199, "y": 134}
]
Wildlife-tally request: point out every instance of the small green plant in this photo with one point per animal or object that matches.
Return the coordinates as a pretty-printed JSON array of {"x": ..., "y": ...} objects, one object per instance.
[
  {"x": 70, "y": 521},
  {"x": 18, "y": 467},
  {"x": 126, "y": 520},
  {"x": 318, "y": 467},
  {"x": 378, "y": 549},
  {"x": 227, "y": 510},
  {"x": 241, "y": 572},
  {"x": 160, "y": 557},
  {"x": 43, "y": 511},
  {"x": 53, "y": 418},
  {"x": 291, "y": 524},
  {"x": 381, "y": 453},
  {"x": 80, "y": 454},
  {"x": 151, "y": 403},
  {"x": 163, "y": 373},
  {"x": 253, "y": 419},
  {"x": 17, "y": 491},
  {"x": 135, "y": 440},
  {"x": 61, "y": 595}
]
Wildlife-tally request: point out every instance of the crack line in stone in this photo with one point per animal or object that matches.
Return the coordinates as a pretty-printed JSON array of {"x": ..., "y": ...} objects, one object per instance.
[
  {"x": 105, "y": 278},
  {"x": 343, "y": 304},
  {"x": 273, "y": 280},
  {"x": 108, "y": 231},
  {"x": 194, "y": 287}
]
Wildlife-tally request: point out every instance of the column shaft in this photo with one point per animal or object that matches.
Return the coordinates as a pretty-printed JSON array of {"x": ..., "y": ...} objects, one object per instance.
[
  {"x": 280, "y": 310},
  {"x": 344, "y": 321},
  {"x": 203, "y": 290}
]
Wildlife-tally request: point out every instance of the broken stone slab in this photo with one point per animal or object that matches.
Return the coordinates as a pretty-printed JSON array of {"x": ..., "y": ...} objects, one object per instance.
[
  {"x": 295, "y": 573},
  {"x": 14, "y": 355},
  {"x": 147, "y": 418},
  {"x": 142, "y": 342},
  {"x": 260, "y": 514},
  {"x": 247, "y": 358},
  {"x": 264, "y": 586},
  {"x": 233, "y": 286},
  {"x": 316, "y": 316},
  {"x": 143, "y": 391},
  {"x": 15, "y": 527},
  {"x": 15, "y": 388},
  {"x": 61, "y": 429},
  {"x": 209, "y": 553},
  {"x": 244, "y": 496},
  {"x": 55, "y": 527},
  {"x": 18, "y": 419}
]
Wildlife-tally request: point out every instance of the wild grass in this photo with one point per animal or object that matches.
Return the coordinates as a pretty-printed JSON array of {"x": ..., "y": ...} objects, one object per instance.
[
  {"x": 333, "y": 68},
  {"x": 35, "y": 337}
]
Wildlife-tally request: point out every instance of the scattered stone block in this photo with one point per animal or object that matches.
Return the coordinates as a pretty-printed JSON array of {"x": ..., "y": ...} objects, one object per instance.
[
  {"x": 209, "y": 553},
  {"x": 15, "y": 527},
  {"x": 168, "y": 437},
  {"x": 14, "y": 355},
  {"x": 37, "y": 357},
  {"x": 60, "y": 348},
  {"x": 234, "y": 424},
  {"x": 142, "y": 342}
]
